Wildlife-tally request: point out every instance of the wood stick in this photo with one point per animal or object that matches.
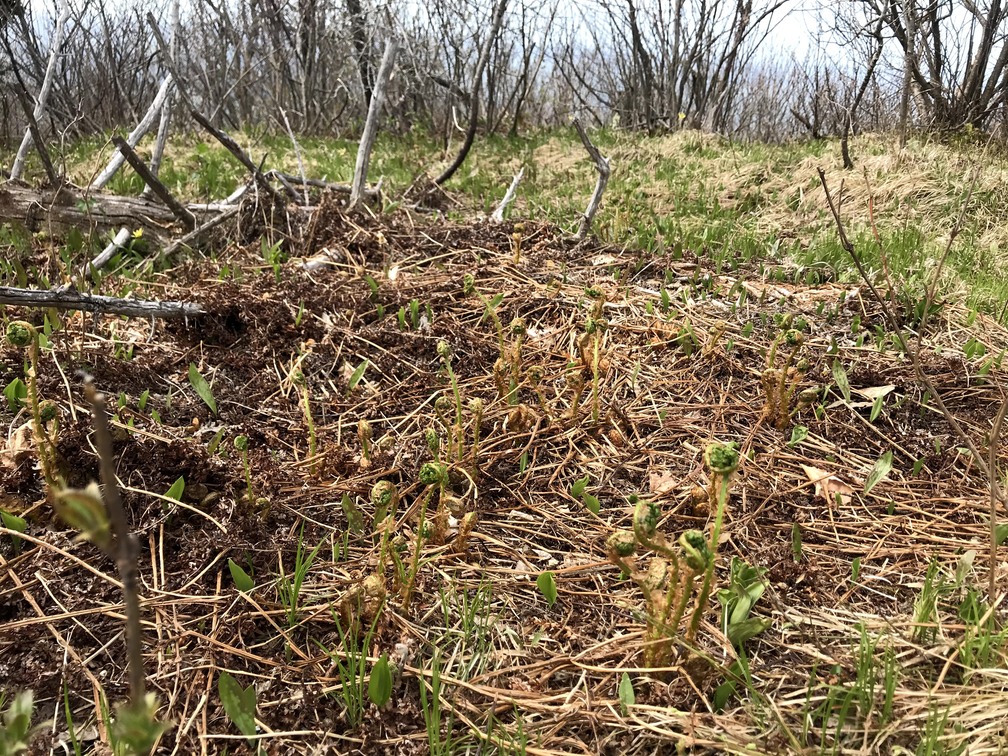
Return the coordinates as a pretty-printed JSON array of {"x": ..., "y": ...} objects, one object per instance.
[
  {"x": 169, "y": 61},
  {"x": 136, "y": 135},
  {"x": 498, "y": 214},
  {"x": 233, "y": 147},
  {"x": 71, "y": 299},
  {"x": 197, "y": 232},
  {"x": 371, "y": 125},
  {"x": 602, "y": 165},
  {"x": 186, "y": 218}
]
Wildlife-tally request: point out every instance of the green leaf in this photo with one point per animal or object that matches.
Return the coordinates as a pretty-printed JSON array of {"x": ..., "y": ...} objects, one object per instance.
[
  {"x": 15, "y": 523},
  {"x": 626, "y": 693},
  {"x": 241, "y": 579},
  {"x": 215, "y": 441},
  {"x": 579, "y": 487},
  {"x": 202, "y": 387},
  {"x": 840, "y": 376},
  {"x": 876, "y": 409},
  {"x": 798, "y": 434},
  {"x": 16, "y": 392},
  {"x": 239, "y": 704},
  {"x": 750, "y": 627},
  {"x": 855, "y": 569},
  {"x": 355, "y": 520},
  {"x": 175, "y": 492},
  {"x": 796, "y": 549},
  {"x": 546, "y": 583},
  {"x": 1000, "y": 533},
  {"x": 380, "y": 684},
  {"x": 879, "y": 470},
  {"x": 591, "y": 503},
  {"x": 357, "y": 375},
  {"x": 142, "y": 401}
]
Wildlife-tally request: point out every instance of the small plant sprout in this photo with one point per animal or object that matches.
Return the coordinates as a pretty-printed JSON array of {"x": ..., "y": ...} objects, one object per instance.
[
  {"x": 519, "y": 331},
  {"x": 489, "y": 307},
  {"x": 476, "y": 411},
  {"x": 385, "y": 500},
  {"x": 780, "y": 383},
  {"x": 714, "y": 339},
  {"x": 44, "y": 414},
  {"x": 433, "y": 476},
  {"x": 455, "y": 432},
  {"x": 590, "y": 345},
  {"x": 669, "y": 580},
  {"x": 299, "y": 380},
  {"x": 516, "y": 241},
  {"x": 365, "y": 436},
  {"x": 241, "y": 444}
]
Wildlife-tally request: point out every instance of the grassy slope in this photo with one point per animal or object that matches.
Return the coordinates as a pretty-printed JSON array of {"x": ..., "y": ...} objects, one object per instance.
[{"x": 686, "y": 190}]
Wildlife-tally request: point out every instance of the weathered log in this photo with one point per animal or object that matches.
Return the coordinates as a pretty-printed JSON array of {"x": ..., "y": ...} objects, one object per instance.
[{"x": 58, "y": 210}]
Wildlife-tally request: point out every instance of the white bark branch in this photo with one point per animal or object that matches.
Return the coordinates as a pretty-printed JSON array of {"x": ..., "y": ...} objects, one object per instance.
[
  {"x": 602, "y": 165},
  {"x": 498, "y": 214},
  {"x": 47, "y": 82},
  {"x": 371, "y": 125}
]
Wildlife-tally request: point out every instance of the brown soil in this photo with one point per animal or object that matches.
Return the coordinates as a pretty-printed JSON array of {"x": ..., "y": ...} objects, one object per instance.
[{"x": 548, "y": 675}]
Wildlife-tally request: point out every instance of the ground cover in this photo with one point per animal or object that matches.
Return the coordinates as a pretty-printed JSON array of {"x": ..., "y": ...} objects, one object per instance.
[{"x": 582, "y": 379}]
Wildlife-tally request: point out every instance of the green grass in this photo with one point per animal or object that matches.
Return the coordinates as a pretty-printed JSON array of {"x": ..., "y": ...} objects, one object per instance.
[{"x": 683, "y": 191}]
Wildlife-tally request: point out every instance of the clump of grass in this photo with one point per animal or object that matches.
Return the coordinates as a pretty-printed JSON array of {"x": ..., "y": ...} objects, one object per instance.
[{"x": 670, "y": 580}]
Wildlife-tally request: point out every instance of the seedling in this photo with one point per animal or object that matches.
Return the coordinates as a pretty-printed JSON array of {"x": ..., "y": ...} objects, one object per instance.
[
  {"x": 433, "y": 476},
  {"x": 199, "y": 383},
  {"x": 780, "y": 383},
  {"x": 669, "y": 583},
  {"x": 241, "y": 444},
  {"x": 44, "y": 414},
  {"x": 239, "y": 704}
]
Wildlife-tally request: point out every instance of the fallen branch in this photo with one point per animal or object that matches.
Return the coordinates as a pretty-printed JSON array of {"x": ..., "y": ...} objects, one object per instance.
[
  {"x": 185, "y": 217},
  {"x": 371, "y": 125},
  {"x": 602, "y": 165},
  {"x": 509, "y": 195},
  {"x": 233, "y": 147},
  {"x": 71, "y": 299}
]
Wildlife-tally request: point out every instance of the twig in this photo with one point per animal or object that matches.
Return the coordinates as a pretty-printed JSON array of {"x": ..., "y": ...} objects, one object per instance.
[
  {"x": 118, "y": 242},
  {"x": 602, "y": 165},
  {"x": 70, "y": 299},
  {"x": 124, "y": 549},
  {"x": 166, "y": 110},
  {"x": 371, "y": 125},
  {"x": 474, "y": 96},
  {"x": 168, "y": 59},
  {"x": 197, "y": 232},
  {"x": 233, "y": 147},
  {"x": 509, "y": 195},
  {"x": 185, "y": 217}
]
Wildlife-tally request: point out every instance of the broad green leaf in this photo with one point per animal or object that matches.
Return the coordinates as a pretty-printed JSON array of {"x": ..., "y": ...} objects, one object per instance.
[
  {"x": 241, "y": 579},
  {"x": 840, "y": 376},
  {"x": 1000, "y": 533},
  {"x": 202, "y": 387},
  {"x": 740, "y": 632},
  {"x": 579, "y": 487},
  {"x": 546, "y": 583},
  {"x": 355, "y": 520},
  {"x": 876, "y": 409},
  {"x": 591, "y": 503},
  {"x": 215, "y": 441},
  {"x": 15, "y": 523},
  {"x": 380, "y": 684},
  {"x": 239, "y": 704},
  {"x": 855, "y": 569},
  {"x": 175, "y": 492},
  {"x": 16, "y": 392},
  {"x": 626, "y": 693},
  {"x": 84, "y": 510},
  {"x": 879, "y": 470},
  {"x": 357, "y": 375},
  {"x": 798, "y": 434}
]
